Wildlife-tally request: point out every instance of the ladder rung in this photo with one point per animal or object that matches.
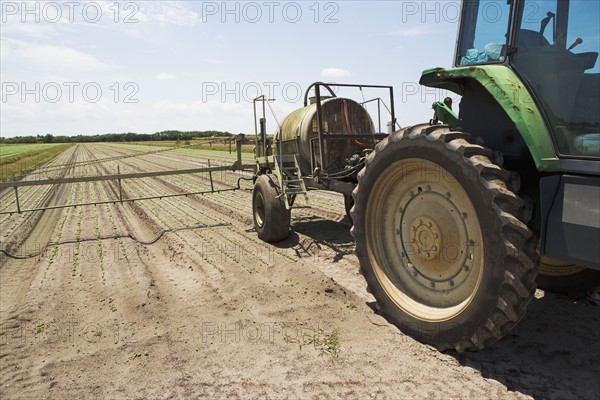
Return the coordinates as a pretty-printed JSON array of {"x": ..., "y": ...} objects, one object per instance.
[
  {"x": 284, "y": 157},
  {"x": 295, "y": 192},
  {"x": 288, "y": 170}
]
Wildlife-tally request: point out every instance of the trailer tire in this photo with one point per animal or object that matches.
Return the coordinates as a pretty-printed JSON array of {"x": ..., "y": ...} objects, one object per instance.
[
  {"x": 439, "y": 239},
  {"x": 271, "y": 218},
  {"x": 348, "y": 204}
]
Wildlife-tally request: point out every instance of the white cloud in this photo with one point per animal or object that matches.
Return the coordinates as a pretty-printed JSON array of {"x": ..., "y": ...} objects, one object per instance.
[
  {"x": 165, "y": 76},
  {"x": 411, "y": 32},
  {"x": 333, "y": 72},
  {"x": 49, "y": 56},
  {"x": 166, "y": 13}
]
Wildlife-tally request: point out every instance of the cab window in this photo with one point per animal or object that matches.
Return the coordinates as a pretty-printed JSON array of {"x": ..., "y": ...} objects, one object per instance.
[
  {"x": 484, "y": 34},
  {"x": 557, "y": 44}
]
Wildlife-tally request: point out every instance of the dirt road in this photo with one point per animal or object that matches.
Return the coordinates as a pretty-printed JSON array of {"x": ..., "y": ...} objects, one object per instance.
[{"x": 208, "y": 310}]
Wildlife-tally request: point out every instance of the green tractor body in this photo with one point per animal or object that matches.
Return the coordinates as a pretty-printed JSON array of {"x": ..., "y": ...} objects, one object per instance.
[
  {"x": 529, "y": 79},
  {"x": 456, "y": 221}
]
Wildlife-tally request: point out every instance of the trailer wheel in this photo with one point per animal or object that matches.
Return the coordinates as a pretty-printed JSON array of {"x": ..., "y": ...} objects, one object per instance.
[
  {"x": 271, "y": 218},
  {"x": 348, "y": 204},
  {"x": 439, "y": 241}
]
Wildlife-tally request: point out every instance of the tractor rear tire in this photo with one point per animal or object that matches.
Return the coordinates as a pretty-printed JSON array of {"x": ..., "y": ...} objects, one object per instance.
[
  {"x": 271, "y": 218},
  {"x": 439, "y": 239}
]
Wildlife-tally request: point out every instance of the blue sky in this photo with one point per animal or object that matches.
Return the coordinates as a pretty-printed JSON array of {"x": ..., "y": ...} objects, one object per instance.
[{"x": 99, "y": 67}]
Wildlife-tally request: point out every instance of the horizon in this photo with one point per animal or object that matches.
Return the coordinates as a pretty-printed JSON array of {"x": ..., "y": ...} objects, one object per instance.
[{"x": 123, "y": 133}]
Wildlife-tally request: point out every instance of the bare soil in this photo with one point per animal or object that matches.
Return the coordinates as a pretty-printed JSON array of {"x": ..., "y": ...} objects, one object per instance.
[{"x": 208, "y": 310}]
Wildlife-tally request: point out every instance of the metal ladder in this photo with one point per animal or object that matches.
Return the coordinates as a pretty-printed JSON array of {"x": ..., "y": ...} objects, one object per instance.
[{"x": 288, "y": 172}]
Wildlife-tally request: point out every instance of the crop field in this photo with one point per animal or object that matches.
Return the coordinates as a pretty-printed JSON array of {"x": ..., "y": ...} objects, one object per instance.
[
  {"x": 215, "y": 144},
  {"x": 177, "y": 297},
  {"x": 18, "y": 159},
  {"x": 10, "y": 151}
]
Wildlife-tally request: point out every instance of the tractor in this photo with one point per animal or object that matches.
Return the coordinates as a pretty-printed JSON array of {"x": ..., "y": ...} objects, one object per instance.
[{"x": 455, "y": 218}]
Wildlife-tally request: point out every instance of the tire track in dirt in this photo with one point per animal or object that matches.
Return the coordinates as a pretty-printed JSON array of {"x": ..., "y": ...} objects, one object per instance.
[
  {"x": 163, "y": 278},
  {"x": 17, "y": 313},
  {"x": 326, "y": 246},
  {"x": 221, "y": 203},
  {"x": 50, "y": 299},
  {"x": 235, "y": 247}
]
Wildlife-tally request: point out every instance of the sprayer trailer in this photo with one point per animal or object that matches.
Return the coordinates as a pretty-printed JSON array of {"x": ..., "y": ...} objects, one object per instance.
[
  {"x": 456, "y": 220},
  {"x": 292, "y": 162}
]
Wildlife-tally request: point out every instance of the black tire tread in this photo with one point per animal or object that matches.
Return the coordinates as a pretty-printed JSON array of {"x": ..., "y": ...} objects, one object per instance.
[
  {"x": 518, "y": 286},
  {"x": 277, "y": 217}
]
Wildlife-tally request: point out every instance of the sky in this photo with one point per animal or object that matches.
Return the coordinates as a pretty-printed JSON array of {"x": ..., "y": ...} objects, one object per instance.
[{"x": 74, "y": 67}]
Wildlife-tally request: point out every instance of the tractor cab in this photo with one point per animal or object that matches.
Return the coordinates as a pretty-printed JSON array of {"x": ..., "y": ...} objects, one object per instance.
[{"x": 552, "y": 45}]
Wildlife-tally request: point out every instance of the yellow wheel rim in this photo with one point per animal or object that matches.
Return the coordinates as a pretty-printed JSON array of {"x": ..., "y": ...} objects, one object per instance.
[
  {"x": 555, "y": 268},
  {"x": 424, "y": 241},
  {"x": 259, "y": 209}
]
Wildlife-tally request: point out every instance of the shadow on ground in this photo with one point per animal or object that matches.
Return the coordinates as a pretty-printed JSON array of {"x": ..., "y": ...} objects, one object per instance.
[
  {"x": 322, "y": 238},
  {"x": 553, "y": 353}
]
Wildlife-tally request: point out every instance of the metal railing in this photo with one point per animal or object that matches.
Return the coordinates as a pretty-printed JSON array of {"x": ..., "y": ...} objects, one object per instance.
[{"x": 118, "y": 178}]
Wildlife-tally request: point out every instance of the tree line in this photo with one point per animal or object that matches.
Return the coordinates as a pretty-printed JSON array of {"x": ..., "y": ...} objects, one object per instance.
[{"x": 115, "y": 137}]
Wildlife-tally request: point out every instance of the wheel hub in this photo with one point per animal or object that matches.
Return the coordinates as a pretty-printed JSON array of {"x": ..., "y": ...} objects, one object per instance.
[
  {"x": 425, "y": 235},
  {"x": 434, "y": 238}
]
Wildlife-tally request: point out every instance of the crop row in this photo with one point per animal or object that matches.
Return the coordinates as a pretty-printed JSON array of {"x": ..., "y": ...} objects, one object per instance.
[
  {"x": 29, "y": 197},
  {"x": 168, "y": 213},
  {"x": 184, "y": 211}
]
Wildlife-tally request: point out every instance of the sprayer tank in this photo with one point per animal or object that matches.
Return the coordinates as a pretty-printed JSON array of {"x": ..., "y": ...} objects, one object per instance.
[{"x": 340, "y": 116}]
